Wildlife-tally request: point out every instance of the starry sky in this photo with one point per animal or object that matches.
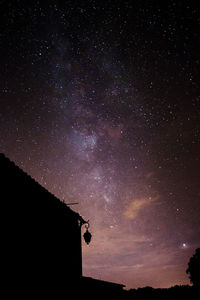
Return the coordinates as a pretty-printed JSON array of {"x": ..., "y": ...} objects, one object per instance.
[{"x": 100, "y": 103}]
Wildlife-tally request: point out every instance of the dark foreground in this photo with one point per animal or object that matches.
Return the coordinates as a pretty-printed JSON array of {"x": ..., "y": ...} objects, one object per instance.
[
  {"x": 88, "y": 292},
  {"x": 176, "y": 292}
]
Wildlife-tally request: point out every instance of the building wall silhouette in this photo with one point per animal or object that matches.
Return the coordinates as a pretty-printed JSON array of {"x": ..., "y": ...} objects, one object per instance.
[
  {"x": 41, "y": 242},
  {"x": 41, "y": 239}
]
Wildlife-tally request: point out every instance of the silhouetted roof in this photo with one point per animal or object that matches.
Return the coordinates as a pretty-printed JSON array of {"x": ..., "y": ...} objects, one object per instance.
[
  {"x": 102, "y": 283},
  {"x": 10, "y": 168}
]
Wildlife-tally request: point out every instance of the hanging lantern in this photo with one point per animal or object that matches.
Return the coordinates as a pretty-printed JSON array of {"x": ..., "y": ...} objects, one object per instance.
[{"x": 87, "y": 235}]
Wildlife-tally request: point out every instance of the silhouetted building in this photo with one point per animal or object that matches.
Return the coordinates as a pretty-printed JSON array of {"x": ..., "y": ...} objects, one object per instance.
[
  {"x": 100, "y": 288},
  {"x": 41, "y": 234},
  {"x": 41, "y": 239}
]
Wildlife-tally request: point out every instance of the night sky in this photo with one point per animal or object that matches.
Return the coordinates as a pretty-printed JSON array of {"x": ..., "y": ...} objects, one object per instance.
[{"x": 100, "y": 103}]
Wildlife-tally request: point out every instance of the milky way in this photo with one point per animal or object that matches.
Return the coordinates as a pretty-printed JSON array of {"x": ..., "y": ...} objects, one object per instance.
[{"x": 100, "y": 104}]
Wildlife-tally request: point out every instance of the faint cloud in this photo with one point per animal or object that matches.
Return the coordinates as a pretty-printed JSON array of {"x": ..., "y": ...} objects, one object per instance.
[
  {"x": 149, "y": 175},
  {"x": 137, "y": 205}
]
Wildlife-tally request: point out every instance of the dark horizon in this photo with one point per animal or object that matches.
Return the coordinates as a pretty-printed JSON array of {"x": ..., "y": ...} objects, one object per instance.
[{"x": 100, "y": 104}]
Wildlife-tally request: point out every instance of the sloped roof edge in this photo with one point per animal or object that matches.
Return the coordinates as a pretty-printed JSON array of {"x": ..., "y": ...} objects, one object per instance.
[{"x": 11, "y": 163}]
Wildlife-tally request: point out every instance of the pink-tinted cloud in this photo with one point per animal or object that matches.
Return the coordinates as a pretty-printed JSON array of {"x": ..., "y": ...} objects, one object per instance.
[{"x": 136, "y": 205}]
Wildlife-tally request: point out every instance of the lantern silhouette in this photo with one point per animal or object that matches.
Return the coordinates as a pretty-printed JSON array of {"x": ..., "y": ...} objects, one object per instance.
[{"x": 87, "y": 235}]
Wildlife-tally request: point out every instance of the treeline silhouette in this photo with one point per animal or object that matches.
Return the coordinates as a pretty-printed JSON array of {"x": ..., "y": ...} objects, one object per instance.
[
  {"x": 175, "y": 292},
  {"x": 194, "y": 268},
  {"x": 148, "y": 293}
]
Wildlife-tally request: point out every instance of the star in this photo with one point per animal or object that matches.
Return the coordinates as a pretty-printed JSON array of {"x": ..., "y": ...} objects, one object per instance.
[{"x": 184, "y": 246}]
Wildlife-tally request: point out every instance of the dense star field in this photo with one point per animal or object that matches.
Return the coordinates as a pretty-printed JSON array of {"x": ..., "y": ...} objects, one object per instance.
[{"x": 100, "y": 103}]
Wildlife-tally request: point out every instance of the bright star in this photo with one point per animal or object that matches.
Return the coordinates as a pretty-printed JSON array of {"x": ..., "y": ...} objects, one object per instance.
[{"x": 184, "y": 246}]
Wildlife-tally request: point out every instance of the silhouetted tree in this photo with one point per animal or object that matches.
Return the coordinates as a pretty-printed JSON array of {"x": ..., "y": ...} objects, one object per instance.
[{"x": 194, "y": 268}]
